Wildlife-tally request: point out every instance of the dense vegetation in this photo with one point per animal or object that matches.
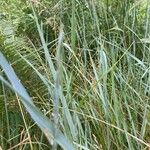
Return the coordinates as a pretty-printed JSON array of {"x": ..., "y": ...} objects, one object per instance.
[{"x": 81, "y": 76}]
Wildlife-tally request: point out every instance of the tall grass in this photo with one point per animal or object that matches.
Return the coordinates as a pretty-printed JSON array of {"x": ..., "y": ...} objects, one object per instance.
[{"x": 77, "y": 70}]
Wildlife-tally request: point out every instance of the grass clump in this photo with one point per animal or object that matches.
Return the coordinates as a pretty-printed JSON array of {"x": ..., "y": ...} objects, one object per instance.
[{"x": 85, "y": 65}]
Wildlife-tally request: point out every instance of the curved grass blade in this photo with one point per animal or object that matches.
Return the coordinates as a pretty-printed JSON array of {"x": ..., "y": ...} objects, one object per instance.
[{"x": 46, "y": 125}]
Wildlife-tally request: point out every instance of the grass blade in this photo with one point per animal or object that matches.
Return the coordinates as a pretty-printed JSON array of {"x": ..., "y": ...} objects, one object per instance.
[{"x": 42, "y": 121}]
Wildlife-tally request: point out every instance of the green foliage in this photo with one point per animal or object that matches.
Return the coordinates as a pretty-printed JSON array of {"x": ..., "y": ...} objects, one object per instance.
[{"x": 86, "y": 66}]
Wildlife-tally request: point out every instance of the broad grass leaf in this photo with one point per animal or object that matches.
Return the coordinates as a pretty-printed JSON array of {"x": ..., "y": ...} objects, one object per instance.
[{"x": 45, "y": 124}]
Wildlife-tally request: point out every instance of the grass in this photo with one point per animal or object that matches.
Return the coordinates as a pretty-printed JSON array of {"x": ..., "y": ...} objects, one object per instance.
[{"x": 75, "y": 75}]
